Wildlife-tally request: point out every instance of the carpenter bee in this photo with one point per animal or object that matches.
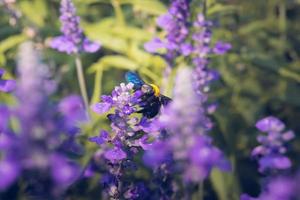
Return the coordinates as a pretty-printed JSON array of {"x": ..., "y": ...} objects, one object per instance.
[{"x": 151, "y": 100}]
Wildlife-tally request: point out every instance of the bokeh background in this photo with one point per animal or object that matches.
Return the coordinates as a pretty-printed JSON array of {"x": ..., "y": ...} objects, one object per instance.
[{"x": 260, "y": 76}]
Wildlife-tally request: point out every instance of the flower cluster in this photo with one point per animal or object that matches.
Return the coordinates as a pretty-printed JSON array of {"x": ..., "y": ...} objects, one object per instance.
[
  {"x": 187, "y": 139},
  {"x": 6, "y": 85},
  {"x": 280, "y": 188},
  {"x": 73, "y": 40},
  {"x": 36, "y": 146},
  {"x": 128, "y": 135},
  {"x": 176, "y": 25},
  {"x": 270, "y": 153}
]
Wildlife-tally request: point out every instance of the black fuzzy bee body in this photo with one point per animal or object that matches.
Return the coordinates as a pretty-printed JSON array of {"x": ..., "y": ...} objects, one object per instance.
[{"x": 151, "y": 100}]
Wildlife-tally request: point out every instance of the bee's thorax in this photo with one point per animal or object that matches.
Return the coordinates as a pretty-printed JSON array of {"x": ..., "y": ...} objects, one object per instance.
[{"x": 155, "y": 89}]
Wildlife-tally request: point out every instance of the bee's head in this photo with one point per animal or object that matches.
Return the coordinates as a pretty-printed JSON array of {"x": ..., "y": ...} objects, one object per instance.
[
  {"x": 147, "y": 89},
  {"x": 151, "y": 89}
]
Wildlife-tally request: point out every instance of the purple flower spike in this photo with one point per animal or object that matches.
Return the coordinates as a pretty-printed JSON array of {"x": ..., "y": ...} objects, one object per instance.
[
  {"x": 188, "y": 140},
  {"x": 278, "y": 188},
  {"x": 6, "y": 85},
  {"x": 73, "y": 40},
  {"x": 270, "y": 124},
  {"x": 41, "y": 144},
  {"x": 270, "y": 153},
  {"x": 175, "y": 23},
  {"x": 221, "y": 48},
  {"x": 114, "y": 155}
]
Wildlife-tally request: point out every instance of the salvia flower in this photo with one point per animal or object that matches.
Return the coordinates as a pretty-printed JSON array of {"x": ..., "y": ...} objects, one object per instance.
[
  {"x": 278, "y": 188},
  {"x": 72, "y": 40},
  {"x": 270, "y": 152},
  {"x": 202, "y": 50},
  {"x": 37, "y": 145},
  {"x": 187, "y": 141},
  {"x": 6, "y": 85},
  {"x": 127, "y": 138},
  {"x": 124, "y": 102},
  {"x": 175, "y": 23}
]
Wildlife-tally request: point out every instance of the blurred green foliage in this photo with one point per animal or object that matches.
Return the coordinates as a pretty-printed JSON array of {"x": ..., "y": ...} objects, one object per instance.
[{"x": 259, "y": 77}]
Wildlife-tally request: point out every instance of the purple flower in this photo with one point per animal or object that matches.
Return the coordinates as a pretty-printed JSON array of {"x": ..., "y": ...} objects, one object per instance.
[
  {"x": 72, "y": 108},
  {"x": 154, "y": 45},
  {"x": 270, "y": 124},
  {"x": 270, "y": 153},
  {"x": 279, "y": 188},
  {"x": 187, "y": 139},
  {"x": 176, "y": 25},
  {"x": 63, "y": 172},
  {"x": 221, "y": 48},
  {"x": 73, "y": 40},
  {"x": 6, "y": 85},
  {"x": 114, "y": 155},
  {"x": 9, "y": 172},
  {"x": 129, "y": 135},
  {"x": 157, "y": 154},
  {"x": 101, "y": 139},
  {"x": 4, "y": 118},
  {"x": 39, "y": 142}
]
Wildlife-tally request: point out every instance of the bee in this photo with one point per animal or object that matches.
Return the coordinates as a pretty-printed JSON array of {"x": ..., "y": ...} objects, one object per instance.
[{"x": 151, "y": 100}]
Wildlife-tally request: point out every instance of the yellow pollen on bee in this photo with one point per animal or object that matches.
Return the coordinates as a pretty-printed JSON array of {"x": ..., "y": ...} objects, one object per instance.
[{"x": 156, "y": 89}]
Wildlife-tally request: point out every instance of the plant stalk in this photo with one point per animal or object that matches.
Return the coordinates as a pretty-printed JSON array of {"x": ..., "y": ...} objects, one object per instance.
[{"x": 81, "y": 81}]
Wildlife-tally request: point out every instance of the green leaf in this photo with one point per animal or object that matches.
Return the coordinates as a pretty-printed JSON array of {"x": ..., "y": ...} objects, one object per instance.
[
  {"x": 120, "y": 62},
  {"x": 2, "y": 59},
  {"x": 101, "y": 32},
  {"x": 11, "y": 42},
  {"x": 252, "y": 27},
  {"x": 221, "y": 9},
  {"x": 152, "y": 7},
  {"x": 98, "y": 83},
  {"x": 35, "y": 10}
]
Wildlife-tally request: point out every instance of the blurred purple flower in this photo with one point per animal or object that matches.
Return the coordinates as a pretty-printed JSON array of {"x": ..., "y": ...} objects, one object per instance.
[
  {"x": 9, "y": 171},
  {"x": 270, "y": 124},
  {"x": 157, "y": 154},
  {"x": 63, "y": 172},
  {"x": 6, "y": 85},
  {"x": 279, "y": 188},
  {"x": 187, "y": 139},
  {"x": 4, "y": 117},
  {"x": 221, "y": 48},
  {"x": 73, "y": 110},
  {"x": 270, "y": 153},
  {"x": 41, "y": 134},
  {"x": 73, "y": 40},
  {"x": 154, "y": 45}
]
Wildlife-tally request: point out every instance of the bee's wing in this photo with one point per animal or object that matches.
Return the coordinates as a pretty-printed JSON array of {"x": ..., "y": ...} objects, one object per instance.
[
  {"x": 133, "y": 77},
  {"x": 164, "y": 100}
]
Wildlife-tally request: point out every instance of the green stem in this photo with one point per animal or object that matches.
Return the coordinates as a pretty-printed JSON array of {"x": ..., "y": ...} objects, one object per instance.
[
  {"x": 282, "y": 22},
  {"x": 81, "y": 81},
  {"x": 204, "y": 8},
  {"x": 118, "y": 12}
]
